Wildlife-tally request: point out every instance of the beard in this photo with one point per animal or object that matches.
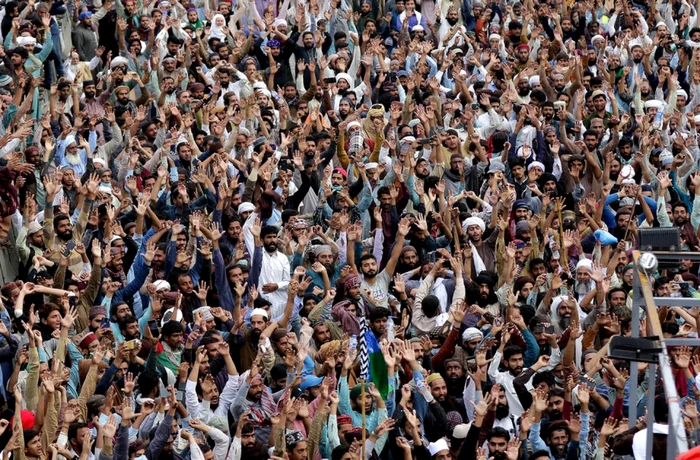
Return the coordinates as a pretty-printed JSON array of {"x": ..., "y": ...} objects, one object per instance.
[
  {"x": 498, "y": 456},
  {"x": 65, "y": 236},
  {"x": 89, "y": 95},
  {"x": 555, "y": 415},
  {"x": 270, "y": 247},
  {"x": 523, "y": 92},
  {"x": 370, "y": 274},
  {"x": 452, "y": 21},
  {"x": 565, "y": 322},
  {"x": 502, "y": 411}
]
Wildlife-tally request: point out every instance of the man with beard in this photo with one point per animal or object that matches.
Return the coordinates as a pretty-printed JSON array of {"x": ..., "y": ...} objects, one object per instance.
[
  {"x": 129, "y": 327},
  {"x": 483, "y": 253},
  {"x": 559, "y": 312},
  {"x": 274, "y": 269},
  {"x": 513, "y": 362},
  {"x": 64, "y": 231},
  {"x": 376, "y": 284},
  {"x": 171, "y": 346},
  {"x": 205, "y": 389},
  {"x": 438, "y": 390},
  {"x": 251, "y": 448},
  {"x": 584, "y": 283},
  {"x": 682, "y": 221},
  {"x": 324, "y": 269},
  {"x": 30, "y": 243},
  {"x": 558, "y": 434},
  {"x": 346, "y": 311},
  {"x": 255, "y": 398},
  {"x": 408, "y": 260}
]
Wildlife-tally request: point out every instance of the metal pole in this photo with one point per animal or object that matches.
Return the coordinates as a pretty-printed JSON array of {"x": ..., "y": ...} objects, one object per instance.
[
  {"x": 675, "y": 420},
  {"x": 650, "y": 409}
]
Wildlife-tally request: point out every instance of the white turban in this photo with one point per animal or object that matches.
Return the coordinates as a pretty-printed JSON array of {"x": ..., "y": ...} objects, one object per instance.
[
  {"x": 681, "y": 92},
  {"x": 26, "y": 41},
  {"x": 535, "y": 164},
  {"x": 475, "y": 221},
  {"x": 535, "y": 79},
  {"x": 653, "y": 104},
  {"x": 344, "y": 76},
  {"x": 597, "y": 37},
  {"x": 438, "y": 446},
  {"x": 354, "y": 123},
  {"x": 471, "y": 333},
  {"x": 279, "y": 22},
  {"x": 585, "y": 263},
  {"x": 494, "y": 36},
  {"x": 259, "y": 312}
]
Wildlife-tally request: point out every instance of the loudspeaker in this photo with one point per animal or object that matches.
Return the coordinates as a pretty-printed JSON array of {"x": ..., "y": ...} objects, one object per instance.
[
  {"x": 659, "y": 239},
  {"x": 644, "y": 349}
]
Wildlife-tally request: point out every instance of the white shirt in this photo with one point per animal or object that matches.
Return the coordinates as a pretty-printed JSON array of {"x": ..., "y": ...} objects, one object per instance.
[{"x": 275, "y": 269}]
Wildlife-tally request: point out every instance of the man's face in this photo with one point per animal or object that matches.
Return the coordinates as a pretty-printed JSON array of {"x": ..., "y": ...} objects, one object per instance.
[
  {"x": 34, "y": 448},
  {"x": 680, "y": 215},
  {"x": 618, "y": 298},
  {"x": 64, "y": 230},
  {"x": 257, "y": 324},
  {"x": 248, "y": 440},
  {"x": 597, "y": 125},
  {"x": 298, "y": 452},
  {"x": 379, "y": 326},
  {"x": 175, "y": 340},
  {"x": 484, "y": 291},
  {"x": 308, "y": 41},
  {"x": 132, "y": 331},
  {"x": 270, "y": 242},
  {"x": 369, "y": 267},
  {"x": 410, "y": 259},
  {"x": 558, "y": 440},
  {"x": 438, "y": 389},
  {"x": 498, "y": 446},
  {"x": 79, "y": 439},
  {"x": 185, "y": 285},
  {"x": 555, "y": 406},
  {"x": 255, "y": 390},
  {"x": 583, "y": 275},
  {"x": 474, "y": 232},
  {"x": 322, "y": 334},
  {"x": 454, "y": 370},
  {"x": 591, "y": 141},
  {"x": 515, "y": 364}
]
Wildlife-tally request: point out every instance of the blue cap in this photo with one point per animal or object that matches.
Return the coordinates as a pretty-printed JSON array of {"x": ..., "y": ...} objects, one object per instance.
[
  {"x": 401, "y": 73},
  {"x": 310, "y": 381},
  {"x": 84, "y": 15}
]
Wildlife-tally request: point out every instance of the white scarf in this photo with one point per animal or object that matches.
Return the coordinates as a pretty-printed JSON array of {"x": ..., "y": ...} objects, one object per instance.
[{"x": 479, "y": 265}]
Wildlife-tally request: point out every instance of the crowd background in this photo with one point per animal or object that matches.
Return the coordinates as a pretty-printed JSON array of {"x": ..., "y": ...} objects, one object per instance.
[{"x": 327, "y": 229}]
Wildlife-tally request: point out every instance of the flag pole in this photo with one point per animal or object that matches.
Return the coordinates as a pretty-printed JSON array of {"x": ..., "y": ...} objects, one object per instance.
[{"x": 364, "y": 434}]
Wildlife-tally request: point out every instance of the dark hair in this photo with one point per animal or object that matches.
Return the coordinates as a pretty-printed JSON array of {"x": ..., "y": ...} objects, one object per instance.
[
  {"x": 544, "y": 377},
  {"x": 125, "y": 321},
  {"x": 679, "y": 204},
  {"x": 73, "y": 430},
  {"x": 29, "y": 435},
  {"x": 512, "y": 350},
  {"x": 556, "y": 392},
  {"x": 367, "y": 257},
  {"x": 170, "y": 328},
  {"x": 383, "y": 191},
  {"x": 539, "y": 453},
  {"x": 59, "y": 218},
  {"x": 498, "y": 432},
  {"x": 48, "y": 308},
  {"x": 268, "y": 230}
]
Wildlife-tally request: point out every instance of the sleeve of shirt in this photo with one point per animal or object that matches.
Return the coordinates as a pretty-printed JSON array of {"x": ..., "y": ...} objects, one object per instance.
[
  {"x": 536, "y": 441},
  {"x": 191, "y": 399}
]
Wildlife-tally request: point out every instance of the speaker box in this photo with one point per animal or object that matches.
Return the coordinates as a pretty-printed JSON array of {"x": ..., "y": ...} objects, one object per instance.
[{"x": 659, "y": 239}]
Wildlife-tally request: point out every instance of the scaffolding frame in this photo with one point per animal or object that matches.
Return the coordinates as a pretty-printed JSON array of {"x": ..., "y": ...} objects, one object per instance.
[{"x": 642, "y": 296}]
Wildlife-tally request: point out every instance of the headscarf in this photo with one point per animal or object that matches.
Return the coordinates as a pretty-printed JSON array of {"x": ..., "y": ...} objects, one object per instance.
[
  {"x": 377, "y": 110},
  {"x": 216, "y": 31}
]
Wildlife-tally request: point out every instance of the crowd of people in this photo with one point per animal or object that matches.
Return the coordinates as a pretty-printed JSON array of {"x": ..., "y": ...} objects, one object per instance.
[{"x": 309, "y": 229}]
